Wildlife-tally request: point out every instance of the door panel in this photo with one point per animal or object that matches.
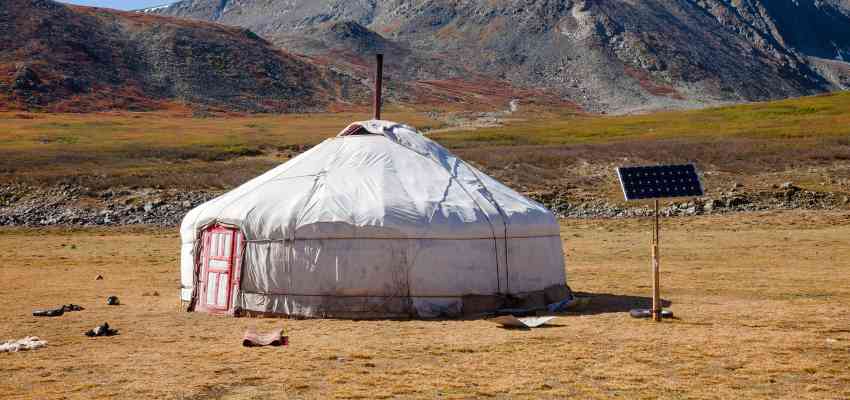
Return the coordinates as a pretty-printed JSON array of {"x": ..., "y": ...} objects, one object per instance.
[
  {"x": 211, "y": 283},
  {"x": 223, "y": 290}
]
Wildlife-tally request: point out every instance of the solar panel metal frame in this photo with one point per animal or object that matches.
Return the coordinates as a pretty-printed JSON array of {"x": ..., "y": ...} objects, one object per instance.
[{"x": 660, "y": 181}]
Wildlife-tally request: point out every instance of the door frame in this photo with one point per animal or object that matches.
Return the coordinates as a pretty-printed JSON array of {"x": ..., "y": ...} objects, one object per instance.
[{"x": 234, "y": 264}]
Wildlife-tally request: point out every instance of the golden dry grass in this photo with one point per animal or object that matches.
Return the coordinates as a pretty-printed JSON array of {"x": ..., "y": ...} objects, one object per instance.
[
  {"x": 810, "y": 117},
  {"x": 106, "y": 132},
  {"x": 541, "y": 143},
  {"x": 763, "y": 302},
  {"x": 170, "y": 149}
]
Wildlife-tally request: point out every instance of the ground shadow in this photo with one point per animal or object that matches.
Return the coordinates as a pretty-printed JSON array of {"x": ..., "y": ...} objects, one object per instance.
[
  {"x": 600, "y": 303},
  {"x": 606, "y": 303},
  {"x": 547, "y": 325},
  {"x": 596, "y": 303}
]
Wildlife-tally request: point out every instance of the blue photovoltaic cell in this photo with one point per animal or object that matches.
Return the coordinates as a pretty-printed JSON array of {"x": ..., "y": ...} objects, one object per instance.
[{"x": 661, "y": 181}]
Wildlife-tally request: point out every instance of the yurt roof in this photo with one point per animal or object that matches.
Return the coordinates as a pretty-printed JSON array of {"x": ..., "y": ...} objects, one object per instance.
[{"x": 376, "y": 179}]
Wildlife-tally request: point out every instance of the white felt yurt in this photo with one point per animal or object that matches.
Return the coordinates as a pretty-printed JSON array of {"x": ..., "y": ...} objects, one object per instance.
[{"x": 377, "y": 222}]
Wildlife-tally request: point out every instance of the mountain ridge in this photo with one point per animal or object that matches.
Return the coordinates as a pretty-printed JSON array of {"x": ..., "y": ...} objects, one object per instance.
[
  {"x": 315, "y": 55},
  {"x": 607, "y": 55}
]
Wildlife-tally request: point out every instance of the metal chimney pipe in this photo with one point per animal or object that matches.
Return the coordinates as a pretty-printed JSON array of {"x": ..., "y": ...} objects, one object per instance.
[{"x": 379, "y": 78}]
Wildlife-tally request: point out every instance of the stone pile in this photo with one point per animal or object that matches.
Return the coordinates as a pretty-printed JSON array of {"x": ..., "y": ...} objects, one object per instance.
[
  {"x": 22, "y": 205},
  {"x": 781, "y": 197},
  {"x": 73, "y": 205}
]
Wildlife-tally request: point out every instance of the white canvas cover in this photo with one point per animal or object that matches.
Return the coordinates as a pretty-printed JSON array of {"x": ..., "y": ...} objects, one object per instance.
[{"x": 383, "y": 224}]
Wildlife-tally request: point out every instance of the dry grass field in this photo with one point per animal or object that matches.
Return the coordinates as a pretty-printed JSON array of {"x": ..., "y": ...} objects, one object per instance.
[
  {"x": 166, "y": 149},
  {"x": 805, "y": 117},
  {"x": 804, "y": 140},
  {"x": 762, "y": 299}
]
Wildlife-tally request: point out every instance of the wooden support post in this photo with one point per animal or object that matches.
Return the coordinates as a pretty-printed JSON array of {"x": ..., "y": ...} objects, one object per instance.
[
  {"x": 656, "y": 278},
  {"x": 379, "y": 81}
]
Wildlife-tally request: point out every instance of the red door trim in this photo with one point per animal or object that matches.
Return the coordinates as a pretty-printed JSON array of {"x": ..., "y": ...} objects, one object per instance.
[{"x": 226, "y": 255}]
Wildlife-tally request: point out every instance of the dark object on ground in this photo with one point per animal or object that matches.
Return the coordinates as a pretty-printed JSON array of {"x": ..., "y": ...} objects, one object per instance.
[
  {"x": 273, "y": 338},
  {"x": 112, "y": 300},
  {"x": 102, "y": 330},
  {"x": 56, "y": 312},
  {"x": 563, "y": 305},
  {"x": 99, "y": 278},
  {"x": 646, "y": 313},
  {"x": 49, "y": 313},
  {"x": 519, "y": 312}
]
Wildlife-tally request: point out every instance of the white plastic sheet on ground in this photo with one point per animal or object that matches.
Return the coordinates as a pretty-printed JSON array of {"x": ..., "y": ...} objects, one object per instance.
[
  {"x": 27, "y": 343},
  {"x": 511, "y": 321},
  {"x": 377, "y": 224}
]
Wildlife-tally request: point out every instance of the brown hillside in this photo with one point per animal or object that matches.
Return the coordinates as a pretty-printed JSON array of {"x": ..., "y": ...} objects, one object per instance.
[{"x": 55, "y": 57}]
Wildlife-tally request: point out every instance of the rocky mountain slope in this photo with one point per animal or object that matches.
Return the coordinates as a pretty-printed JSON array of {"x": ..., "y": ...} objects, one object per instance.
[
  {"x": 57, "y": 57},
  {"x": 607, "y": 55}
]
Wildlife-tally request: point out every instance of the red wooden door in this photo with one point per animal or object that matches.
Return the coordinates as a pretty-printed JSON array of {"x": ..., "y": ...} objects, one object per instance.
[{"x": 220, "y": 248}]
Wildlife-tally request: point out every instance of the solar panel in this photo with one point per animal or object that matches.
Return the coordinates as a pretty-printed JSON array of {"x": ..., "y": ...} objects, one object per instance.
[{"x": 660, "y": 181}]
